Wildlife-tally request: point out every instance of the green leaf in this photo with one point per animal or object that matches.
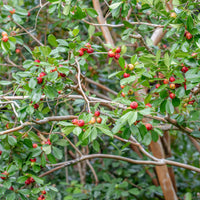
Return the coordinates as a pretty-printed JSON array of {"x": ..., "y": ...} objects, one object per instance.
[
  {"x": 12, "y": 141},
  {"x": 36, "y": 152},
  {"x": 147, "y": 139},
  {"x": 75, "y": 32},
  {"x": 169, "y": 107},
  {"x": 96, "y": 146},
  {"x": 91, "y": 30},
  {"x": 114, "y": 74},
  {"x": 128, "y": 80},
  {"x": 5, "y": 82},
  {"x": 51, "y": 158},
  {"x": 50, "y": 91},
  {"x": 189, "y": 23},
  {"x": 66, "y": 10},
  {"x": 45, "y": 50},
  {"x": 62, "y": 142},
  {"x": 53, "y": 137},
  {"x": 47, "y": 149},
  {"x": 93, "y": 134},
  {"x": 115, "y": 5},
  {"x": 180, "y": 92},
  {"x": 167, "y": 60},
  {"x": 17, "y": 19},
  {"x": 77, "y": 131},
  {"x": 132, "y": 117},
  {"x": 57, "y": 153},
  {"x": 21, "y": 179},
  {"x": 196, "y": 134},
  {"x": 32, "y": 83},
  {"x": 52, "y": 40},
  {"x": 154, "y": 136},
  {"x": 122, "y": 62},
  {"x": 105, "y": 131},
  {"x": 67, "y": 130},
  {"x": 91, "y": 12},
  {"x": 133, "y": 59},
  {"x": 37, "y": 179},
  {"x": 158, "y": 54},
  {"x": 86, "y": 133},
  {"x": 24, "y": 191},
  {"x": 188, "y": 196}
]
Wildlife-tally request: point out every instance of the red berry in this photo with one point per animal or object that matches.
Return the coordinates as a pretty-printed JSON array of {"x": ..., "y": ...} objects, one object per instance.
[
  {"x": 43, "y": 192},
  {"x": 81, "y": 52},
  {"x": 62, "y": 74},
  {"x": 4, "y": 34},
  {"x": 17, "y": 51},
  {"x": 148, "y": 127},
  {"x": 148, "y": 105},
  {"x": 27, "y": 182},
  {"x": 35, "y": 145},
  {"x": 157, "y": 85},
  {"x": 48, "y": 142},
  {"x": 172, "y": 95},
  {"x": 134, "y": 105},
  {"x": 36, "y": 106},
  {"x": 188, "y": 35},
  {"x": 172, "y": 79},
  {"x": 83, "y": 49},
  {"x": 37, "y": 61},
  {"x": 118, "y": 50},
  {"x": 33, "y": 159},
  {"x": 11, "y": 188},
  {"x": 75, "y": 121},
  {"x": 164, "y": 46},
  {"x": 184, "y": 69},
  {"x": 31, "y": 179},
  {"x": 126, "y": 75},
  {"x": 165, "y": 81},
  {"x": 12, "y": 11},
  {"x": 111, "y": 54},
  {"x": 4, "y": 173},
  {"x": 123, "y": 94},
  {"x": 42, "y": 74},
  {"x": 92, "y": 121},
  {"x": 122, "y": 86},
  {"x": 0, "y": 152},
  {"x": 90, "y": 50},
  {"x": 81, "y": 123},
  {"x": 117, "y": 56},
  {"x": 5, "y": 38},
  {"x": 39, "y": 80},
  {"x": 99, "y": 120},
  {"x": 59, "y": 92},
  {"x": 194, "y": 54},
  {"x": 97, "y": 113},
  {"x": 185, "y": 86},
  {"x": 29, "y": 14}
]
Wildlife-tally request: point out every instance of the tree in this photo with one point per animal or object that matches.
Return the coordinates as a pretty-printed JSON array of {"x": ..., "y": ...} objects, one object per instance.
[{"x": 99, "y": 99}]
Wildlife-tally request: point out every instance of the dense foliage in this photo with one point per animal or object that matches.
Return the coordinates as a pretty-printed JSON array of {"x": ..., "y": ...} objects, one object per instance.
[{"x": 72, "y": 88}]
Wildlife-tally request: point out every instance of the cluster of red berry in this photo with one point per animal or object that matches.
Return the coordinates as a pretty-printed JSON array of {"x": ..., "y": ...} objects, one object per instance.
[
  {"x": 29, "y": 181},
  {"x": 42, "y": 197},
  {"x": 114, "y": 53},
  {"x": 87, "y": 48}
]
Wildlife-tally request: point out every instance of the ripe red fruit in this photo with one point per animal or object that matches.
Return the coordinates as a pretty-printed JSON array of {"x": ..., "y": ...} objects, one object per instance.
[
  {"x": 164, "y": 46},
  {"x": 97, "y": 113},
  {"x": 185, "y": 87},
  {"x": 172, "y": 95},
  {"x": 43, "y": 192},
  {"x": 42, "y": 74},
  {"x": 99, "y": 120},
  {"x": 0, "y": 152},
  {"x": 5, "y": 38},
  {"x": 134, "y": 105},
  {"x": 172, "y": 79},
  {"x": 38, "y": 61},
  {"x": 62, "y": 74},
  {"x": 148, "y": 105},
  {"x": 27, "y": 182},
  {"x": 35, "y": 145},
  {"x": 188, "y": 35},
  {"x": 31, "y": 179},
  {"x": 165, "y": 81},
  {"x": 122, "y": 86},
  {"x": 48, "y": 142},
  {"x": 12, "y": 11},
  {"x": 4, "y": 173},
  {"x": 17, "y": 51},
  {"x": 11, "y": 188},
  {"x": 81, "y": 52},
  {"x": 36, "y": 106},
  {"x": 81, "y": 123},
  {"x": 148, "y": 127},
  {"x": 117, "y": 56},
  {"x": 157, "y": 85},
  {"x": 33, "y": 159},
  {"x": 39, "y": 80},
  {"x": 126, "y": 75},
  {"x": 194, "y": 54},
  {"x": 29, "y": 14},
  {"x": 90, "y": 50},
  {"x": 111, "y": 54},
  {"x": 184, "y": 69},
  {"x": 172, "y": 86},
  {"x": 75, "y": 121},
  {"x": 118, "y": 50}
]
